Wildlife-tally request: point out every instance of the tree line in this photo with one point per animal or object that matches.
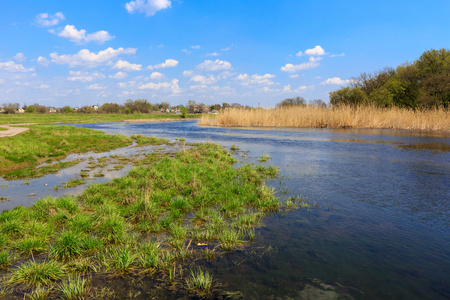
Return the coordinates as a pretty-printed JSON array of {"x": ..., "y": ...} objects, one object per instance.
[{"x": 425, "y": 83}]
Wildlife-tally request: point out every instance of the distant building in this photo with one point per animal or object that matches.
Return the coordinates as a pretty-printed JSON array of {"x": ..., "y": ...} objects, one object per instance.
[
  {"x": 95, "y": 107},
  {"x": 21, "y": 110},
  {"x": 52, "y": 110}
]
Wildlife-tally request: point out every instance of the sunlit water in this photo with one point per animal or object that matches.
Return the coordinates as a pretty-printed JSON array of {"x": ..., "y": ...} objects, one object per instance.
[{"x": 381, "y": 230}]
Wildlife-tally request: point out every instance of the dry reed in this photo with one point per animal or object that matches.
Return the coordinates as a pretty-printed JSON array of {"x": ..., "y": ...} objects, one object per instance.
[{"x": 337, "y": 117}]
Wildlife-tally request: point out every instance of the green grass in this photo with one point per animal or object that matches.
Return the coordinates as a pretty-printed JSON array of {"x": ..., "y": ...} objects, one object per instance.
[
  {"x": 75, "y": 288},
  {"x": 74, "y": 183},
  {"x": 21, "y": 154},
  {"x": 145, "y": 140},
  {"x": 5, "y": 259},
  {"x": 67, "y": 245},
  {"x": 265, "y": 157},
  {"x": 83, "y": 118},
  {"x": 32, "y": 274},
  {"x": 196, "y": 195},
  {"x": 199, "y": 280}
]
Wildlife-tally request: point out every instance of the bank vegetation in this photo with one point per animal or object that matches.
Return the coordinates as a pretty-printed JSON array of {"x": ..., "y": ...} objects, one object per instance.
[{"x": 342, "y": 116}]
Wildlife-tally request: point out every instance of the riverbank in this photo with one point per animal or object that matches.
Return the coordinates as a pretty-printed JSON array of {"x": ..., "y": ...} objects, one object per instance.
[
  {"x": 152, "y": 221},
  {"x": 21, "y": 155},
  {"x": 364, "y": 117}
]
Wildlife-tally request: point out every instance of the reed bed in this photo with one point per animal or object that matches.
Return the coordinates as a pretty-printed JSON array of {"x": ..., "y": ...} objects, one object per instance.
[{"x": 338, "y": 117}]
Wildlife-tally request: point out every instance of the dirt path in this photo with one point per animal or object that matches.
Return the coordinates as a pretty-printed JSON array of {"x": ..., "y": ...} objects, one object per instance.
[{"x": 12, "y": 131}]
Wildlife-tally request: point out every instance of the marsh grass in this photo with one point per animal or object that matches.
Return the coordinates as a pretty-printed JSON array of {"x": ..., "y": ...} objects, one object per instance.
[
  {"x": 67, "y": 245},
  {"x": 265, "y": 157},
  {"x": 30, "y": 245},
  {"x": 146, "y": 220},
  {"x": 75, "y": 182},
  {"x": 123, "y": 258},
  {"x": 337, "y": 117},
  {"x": 32, "y": 274},
  {"x": 200, "y": 280},
  {"x": 75, "y": 288},
  {"x": 39, "y": 293},
  {"x": 230, "y": 239},
  {"x": 5, "y": 259},
  {"x": 142, "y": 140}
]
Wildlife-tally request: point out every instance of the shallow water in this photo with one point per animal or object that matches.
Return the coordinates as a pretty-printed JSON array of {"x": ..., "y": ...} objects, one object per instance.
[{"x": 381, "y": 230}]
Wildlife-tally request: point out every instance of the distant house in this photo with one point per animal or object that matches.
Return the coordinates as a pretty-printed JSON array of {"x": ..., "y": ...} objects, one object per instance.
[
  {"x": 95, "y": 107},
  {"x": 214, "y": 112},
  {"x": 21, "y": 110},
  {"x": 52, "y": 110},
  {"x": 75, "y": 109}
]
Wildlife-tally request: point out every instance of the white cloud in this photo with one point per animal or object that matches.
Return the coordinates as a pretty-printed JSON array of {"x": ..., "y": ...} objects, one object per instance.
[
  {"x": 196, "y": 47},
  {"x": 186, "y": 51},
  {"x": 42, "y": 61},
  {"x": 162, "y": 86},
  {"x": 188, "y": 73},
  {"x": 225, "y": 75},
  {"x": 47, "y": 20},
  {"x": 293, "y": 76},
  {"x": 11, "y": 66},
  {"x": 212, "y": 54},
  {"x": 119, "y": 75},
  {"x": 203, "y": 80},
  {"x": 336, "y": 80},
  {"x": 95, "y": 87},
  {"x": 24, "y": 83},
  {"x": 20, "y": 57},
  {"x": 336, "y": 55},
  {"x": 228, "y": 48},
  {"x": 80, "y": 36},
  {"x": 2, "y": 81},
  {"x": 126, "y": 66},
  {"x": 64, "y": 93},
  {"x": 300, "y": 89},
  {"x": 316, "y": 51},
  {"x": 84, "y": 76},
  {"x": 129, "y": 84},
  {"x": 209, "y": 65},
  {"x": 169, "y": 63},
  {"x": 245, "y": 79},
  {"x": 43, "y": 86},
  {"x": 88, "y": 59},
  {"x": 149, "y": 7},
  {"x": 290, "y": 68},
  {"x": 156, "y": 75}
]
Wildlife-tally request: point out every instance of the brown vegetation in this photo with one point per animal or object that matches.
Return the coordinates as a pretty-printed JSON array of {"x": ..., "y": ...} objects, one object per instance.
[{"x": 338, "y": 117}]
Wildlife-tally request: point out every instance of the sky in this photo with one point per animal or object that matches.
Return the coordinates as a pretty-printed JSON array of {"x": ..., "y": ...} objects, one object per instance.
[{"x": 253, "y": 52}]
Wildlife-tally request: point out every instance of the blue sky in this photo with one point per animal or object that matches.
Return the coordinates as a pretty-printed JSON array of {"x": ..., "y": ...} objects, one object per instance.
[{"x": 78, "y": 53}]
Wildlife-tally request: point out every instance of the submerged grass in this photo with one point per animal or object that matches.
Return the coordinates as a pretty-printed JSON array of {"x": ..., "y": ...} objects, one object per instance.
[
  {"x": 336, "y": 117},
  {"x": 144, "y": 221}
]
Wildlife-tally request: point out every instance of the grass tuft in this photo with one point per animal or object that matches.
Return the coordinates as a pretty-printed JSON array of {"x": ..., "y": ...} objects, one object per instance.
[
  {"x": 199, "y": 280},
  {"x": 32, "y": 274},
  {"x": 75, "y": 288}
]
